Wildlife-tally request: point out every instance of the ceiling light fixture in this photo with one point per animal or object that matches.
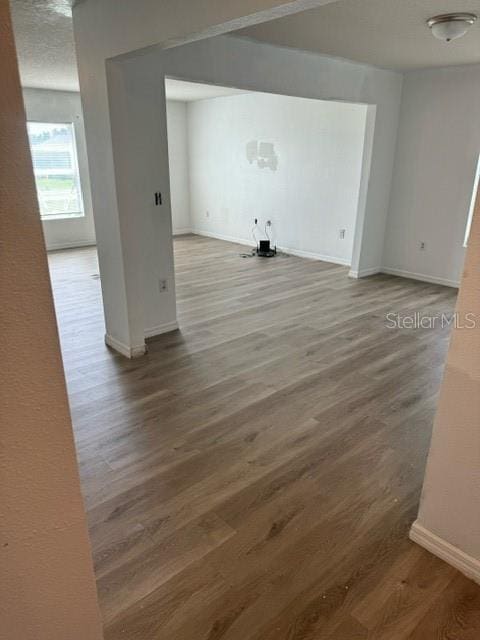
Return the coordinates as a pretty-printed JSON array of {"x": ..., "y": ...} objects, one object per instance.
[{"x": 451, "y": 25}]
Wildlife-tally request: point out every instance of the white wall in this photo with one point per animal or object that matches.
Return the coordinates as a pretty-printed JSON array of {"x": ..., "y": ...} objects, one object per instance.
[
  {"x": 47, "y": 585},
  {"x": 100, "y": 34},
  {"x": 309, "y": 195},
  {"x": 62, "y": 106},
  {"x": 178, "y": 165},
  {"x": 437, "y": 151},
  {"x": 448, "y": 522},
  {"x": 138, "y": 131}
]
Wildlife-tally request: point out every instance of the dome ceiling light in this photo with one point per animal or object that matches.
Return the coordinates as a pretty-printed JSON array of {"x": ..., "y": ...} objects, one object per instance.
[{"x": 451, "y": 25}]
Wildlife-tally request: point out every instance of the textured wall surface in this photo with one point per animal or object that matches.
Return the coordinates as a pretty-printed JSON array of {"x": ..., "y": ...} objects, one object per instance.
[
  {"x": 47, "y": 588},
  {"x": 451, "y": 492}
]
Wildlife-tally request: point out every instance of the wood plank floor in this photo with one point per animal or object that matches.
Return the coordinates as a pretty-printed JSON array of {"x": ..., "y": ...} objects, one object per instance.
[{"x": 254, "y": 476}]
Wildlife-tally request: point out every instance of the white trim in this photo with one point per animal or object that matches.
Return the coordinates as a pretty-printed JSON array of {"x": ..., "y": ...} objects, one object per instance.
[
  {"x": 221, "y": 236},
  {"x": 56, "y": 246},
  {"x": 314, "y": 256},
  {"x": 420, "y": 276},
  {"x": 123, "y": 349},
  {"x": 51, "y": 217},
  {"x": 473, "y": 200},
  {"x": 161, "y": 328},
  {"x": 363, "y": 273},
  {"x": 181, "y": 232},
  {"x": 364, "y": 190},
  {"x": 294, "y": 252},
  {"x": 468, "y": 565}
]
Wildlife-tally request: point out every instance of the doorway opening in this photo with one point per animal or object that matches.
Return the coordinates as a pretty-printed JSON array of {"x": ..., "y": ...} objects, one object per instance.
[{"x": 247, "y": 166}]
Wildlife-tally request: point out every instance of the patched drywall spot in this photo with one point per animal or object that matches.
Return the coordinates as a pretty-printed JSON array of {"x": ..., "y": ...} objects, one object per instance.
[
  {"x": 267, "y": 156},
  {"x": 263, "y": 153},
  {"x": 252, "y": 151}
]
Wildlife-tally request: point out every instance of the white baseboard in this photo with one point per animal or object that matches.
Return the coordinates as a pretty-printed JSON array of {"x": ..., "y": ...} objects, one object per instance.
[
  {"x": 294, "y": 252},
  {"x": 161, "y": 328},
  {"x": 181, "y": 232},
  {"x": 420, "y": 276},
  {"x": 221, "y": 236},
  {"x": 125, "y": 350},
  {"x": 314, "y": 256},
  {"x": 363, "y": 273},
  {"x": 70, "y": 245},
  {"x": 468, "y": 565},
  {"x": 140, "y": 350}
]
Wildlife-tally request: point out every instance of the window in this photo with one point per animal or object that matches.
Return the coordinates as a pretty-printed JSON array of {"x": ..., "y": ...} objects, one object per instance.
[
  {"x": 55, "y": 165},
  {"x": 472, "y": 203}
]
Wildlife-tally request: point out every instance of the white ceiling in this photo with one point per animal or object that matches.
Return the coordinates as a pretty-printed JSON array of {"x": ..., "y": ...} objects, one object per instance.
[
  {"x": 46, "y": 52},
  {"x": 190, "y": 91},
  {"x": 44, "y": 40},
  {"x": 385, "y": 33}
]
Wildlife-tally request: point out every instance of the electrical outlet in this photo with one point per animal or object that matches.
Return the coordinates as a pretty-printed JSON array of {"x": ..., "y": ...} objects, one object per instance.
[
  {"x": 342, "y": 234},
  {"x": 162, "y": 285},
  {"x": 422, "y": 246}
]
